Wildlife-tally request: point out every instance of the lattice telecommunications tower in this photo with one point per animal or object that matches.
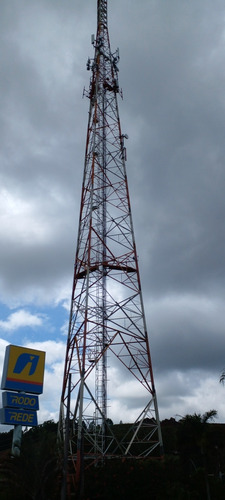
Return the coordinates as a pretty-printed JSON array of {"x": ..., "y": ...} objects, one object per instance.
[{"x": 107, "y": 327}]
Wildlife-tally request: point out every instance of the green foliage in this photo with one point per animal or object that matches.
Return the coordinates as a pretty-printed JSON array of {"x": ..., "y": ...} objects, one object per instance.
[
  {"x": 191, "y": 469},
  {"x": 32, "y": 476},
  {"x": 5, "y": 440}
]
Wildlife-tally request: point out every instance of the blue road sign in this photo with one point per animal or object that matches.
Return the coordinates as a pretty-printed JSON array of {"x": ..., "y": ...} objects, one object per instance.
[
  {"x": 19, "y": 400},
  {"x": 18, "y": 416}
]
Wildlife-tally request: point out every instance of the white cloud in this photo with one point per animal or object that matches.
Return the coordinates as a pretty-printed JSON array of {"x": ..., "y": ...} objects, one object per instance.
[
  {"x": 19, "y": 319},
  {"x": 188, "y": 392},
  {"x": 3, "y": 344}
]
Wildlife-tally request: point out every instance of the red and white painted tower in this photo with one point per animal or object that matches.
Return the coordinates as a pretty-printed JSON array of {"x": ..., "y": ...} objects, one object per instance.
[{"x": 107, "y": 326}]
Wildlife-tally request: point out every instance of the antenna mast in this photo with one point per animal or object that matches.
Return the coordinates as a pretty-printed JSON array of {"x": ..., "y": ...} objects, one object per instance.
[{"x": 107, "y": 324}]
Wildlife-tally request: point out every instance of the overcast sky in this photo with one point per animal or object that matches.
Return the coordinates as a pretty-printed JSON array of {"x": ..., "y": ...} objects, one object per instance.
[{"x": 172, "y": 72}]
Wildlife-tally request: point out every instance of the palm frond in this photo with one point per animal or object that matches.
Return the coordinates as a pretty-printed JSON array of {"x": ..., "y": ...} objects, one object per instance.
[{"x": 222, "y": 377}]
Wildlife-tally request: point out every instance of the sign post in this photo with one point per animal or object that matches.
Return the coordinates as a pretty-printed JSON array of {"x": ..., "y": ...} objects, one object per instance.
[{"x": 23, "y": 372}]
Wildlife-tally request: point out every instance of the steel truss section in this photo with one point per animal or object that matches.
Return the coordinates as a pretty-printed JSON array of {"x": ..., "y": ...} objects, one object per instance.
[{"x": 107, "y": 324}]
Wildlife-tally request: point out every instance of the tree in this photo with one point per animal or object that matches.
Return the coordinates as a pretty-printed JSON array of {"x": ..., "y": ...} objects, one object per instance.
[
  {"x": 35, "y": 474},
  {"x": 222, "y": 377},
  {"x": 193, "y": 443}
]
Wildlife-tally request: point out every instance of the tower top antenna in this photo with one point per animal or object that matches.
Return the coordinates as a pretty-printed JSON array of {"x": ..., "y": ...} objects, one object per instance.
[{"x": 102, "y": 13}]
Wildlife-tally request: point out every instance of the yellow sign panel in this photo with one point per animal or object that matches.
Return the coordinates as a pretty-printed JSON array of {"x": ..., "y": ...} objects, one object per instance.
[{"x": 23, "y": 369}]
